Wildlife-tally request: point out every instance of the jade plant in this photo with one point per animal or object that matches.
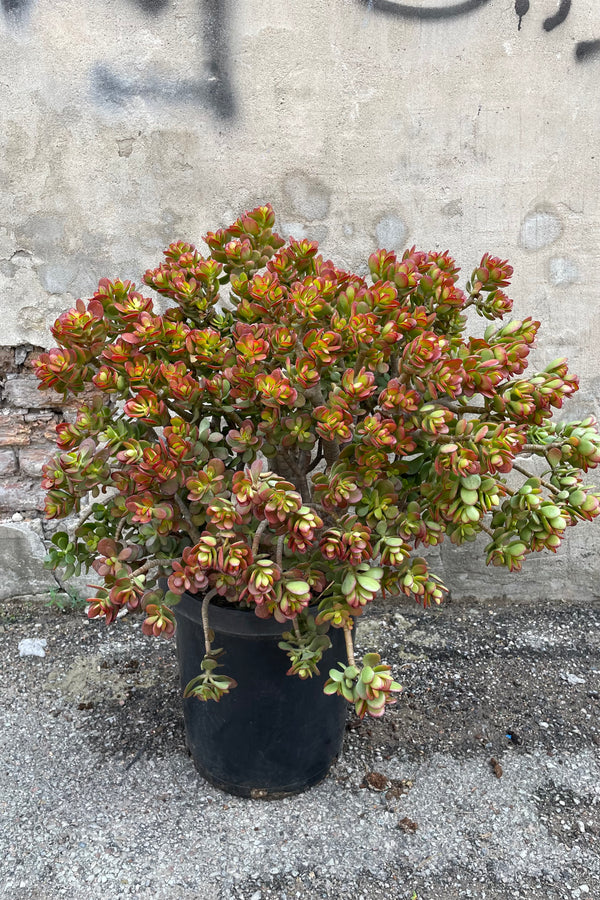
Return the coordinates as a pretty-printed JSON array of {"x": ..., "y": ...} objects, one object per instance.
[{"x": 284, "y": 436}]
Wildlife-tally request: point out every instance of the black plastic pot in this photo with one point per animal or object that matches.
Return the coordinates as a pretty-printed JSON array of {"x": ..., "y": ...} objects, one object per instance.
[{"x": 272, "y": 735}]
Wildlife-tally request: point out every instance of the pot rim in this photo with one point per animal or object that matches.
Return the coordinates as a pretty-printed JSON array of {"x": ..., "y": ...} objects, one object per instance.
[{"x": 242, "y": 622}]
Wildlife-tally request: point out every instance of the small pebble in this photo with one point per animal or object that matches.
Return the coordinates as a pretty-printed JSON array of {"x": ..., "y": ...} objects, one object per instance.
[{"x": 32, "y": 647}]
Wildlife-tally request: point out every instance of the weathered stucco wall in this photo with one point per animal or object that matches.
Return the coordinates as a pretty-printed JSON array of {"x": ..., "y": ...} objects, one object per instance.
[{"x": 470, "y": 125}]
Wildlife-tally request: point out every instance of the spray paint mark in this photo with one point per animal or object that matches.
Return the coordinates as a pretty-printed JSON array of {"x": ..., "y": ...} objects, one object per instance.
[
  {"x": 15, "y": 8},
  {"x": 521, "y": 9},
  {"x": 410, "y": 11},
  {"x": 587, "y": 50},
  {"x": 559, "y": 16}
]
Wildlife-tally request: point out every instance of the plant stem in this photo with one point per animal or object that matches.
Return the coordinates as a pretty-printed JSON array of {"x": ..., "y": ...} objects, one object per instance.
[
  {"x": 194, "y": 533},
  {"x": 487, "y": 530},
  {"x": 349, "y": 645},
  {"x": 279, "y": 552},
  {"x": 85, "y": 516},
  {"x": 153, "y": 564},
  {"x": 463, "y": 409},
  {"x": 257, "y": 536},
  {"x": 317, "y": 458},
  {"x": 297, "y": 631},
  {"x": 543, "y": 481},
  {"x": 331, "y": 451},
  {"x": 205, "y": 623},
  {"x": 119, "y": 528},
  {"x": 359, "y": 361},
  {"x": 536, "y": 448}
]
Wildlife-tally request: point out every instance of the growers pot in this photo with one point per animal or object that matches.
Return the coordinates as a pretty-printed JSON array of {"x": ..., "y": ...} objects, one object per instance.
[{"x": 272, "y": 735}]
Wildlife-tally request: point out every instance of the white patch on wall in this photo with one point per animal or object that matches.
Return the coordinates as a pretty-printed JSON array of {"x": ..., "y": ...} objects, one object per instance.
[
  {"x": 540, "y": 229},
  {"x": 309, "y": 197},
  {"x": 563, "y": 271},
  {"x": 299, "y": 231},
  {"x": 390, "y": 232}
]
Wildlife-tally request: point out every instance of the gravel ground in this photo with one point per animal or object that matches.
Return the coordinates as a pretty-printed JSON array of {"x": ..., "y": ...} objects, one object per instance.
[{"x": 483, "y": 781}]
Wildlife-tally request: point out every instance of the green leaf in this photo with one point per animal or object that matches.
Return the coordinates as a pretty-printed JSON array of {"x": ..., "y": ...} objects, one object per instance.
[
  {"x": 472, "y": 514},
  {"x": 349, "y": 583},
  {"x": 347, "y": 693},
  {"x": 516, "y": 549},
  {"x": 367, "y": 583},
  {"x": 367, "y": 675},
  {"x": 371, "y": 659},
  {"x": 549, "y": 511},
  {"x": 298, "y": 588},
  {"x": 554, "y": 456}
]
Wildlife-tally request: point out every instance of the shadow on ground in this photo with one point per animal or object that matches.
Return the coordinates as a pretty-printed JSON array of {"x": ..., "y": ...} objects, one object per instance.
[{"x": 483, "y": 781}]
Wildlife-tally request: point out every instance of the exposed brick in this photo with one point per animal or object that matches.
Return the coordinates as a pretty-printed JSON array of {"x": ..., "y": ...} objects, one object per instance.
[
  {"x": 49, "y": 433},
  {"x": 8, "y": 462},
  {"x": 22, "y": 561},
  {"x": 18, "y": 495},
  {"x": 7, "y": 361},
  {"x": 32, "y": 354},
  {"x": 22, "y": 391},
  {"x": 40, "y": 416},
  {"x": 14, "y": 431},
  {"x": 33, "y": 458}
]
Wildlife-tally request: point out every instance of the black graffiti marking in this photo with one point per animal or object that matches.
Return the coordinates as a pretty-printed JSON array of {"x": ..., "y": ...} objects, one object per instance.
[
  {"x": 583, "y": 50},
  {"x": 118, "y": 89},
  {"x": 212, "y": 89},
  {"x": 409, "y": 11},
  {"x": 15, "y": 8},
  {"x": 219, "y": 88},
  {"x": 521, "y": 9},
  {"x": 586, "y": 50},
  {"x": 154, "y": 7},
  {"x": 559, "y": 16}
]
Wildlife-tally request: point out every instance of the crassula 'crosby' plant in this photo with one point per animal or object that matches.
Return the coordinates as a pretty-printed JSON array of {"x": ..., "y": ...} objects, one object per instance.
[{"x": 292, "y": 441}]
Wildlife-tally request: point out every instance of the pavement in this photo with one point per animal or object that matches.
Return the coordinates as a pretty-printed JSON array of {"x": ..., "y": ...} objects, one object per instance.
[{"x": 483, "y": 781}]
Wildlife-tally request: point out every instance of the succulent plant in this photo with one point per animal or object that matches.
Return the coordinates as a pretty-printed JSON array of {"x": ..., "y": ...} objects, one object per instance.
[{"x": 286, "y": 435}]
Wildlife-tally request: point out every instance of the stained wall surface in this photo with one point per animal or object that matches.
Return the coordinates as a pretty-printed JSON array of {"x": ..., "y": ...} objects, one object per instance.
[{"x": 468, "y": 125}]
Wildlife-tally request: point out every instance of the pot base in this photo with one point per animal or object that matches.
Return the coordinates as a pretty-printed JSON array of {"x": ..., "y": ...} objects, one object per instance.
[
  {"x": 272, "y": 736},
  {"x": 256, "y": 793}
]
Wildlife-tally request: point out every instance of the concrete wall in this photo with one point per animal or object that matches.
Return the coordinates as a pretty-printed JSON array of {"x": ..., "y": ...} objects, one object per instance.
[{"x": 470, "y": 125}]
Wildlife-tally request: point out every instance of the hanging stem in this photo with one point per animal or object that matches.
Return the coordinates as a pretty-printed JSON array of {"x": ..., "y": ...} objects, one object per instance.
[
  {"x": 349, "y": 645},
  {"x": 297, "y": 631},
  {"x": 205, "y": 624}
]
